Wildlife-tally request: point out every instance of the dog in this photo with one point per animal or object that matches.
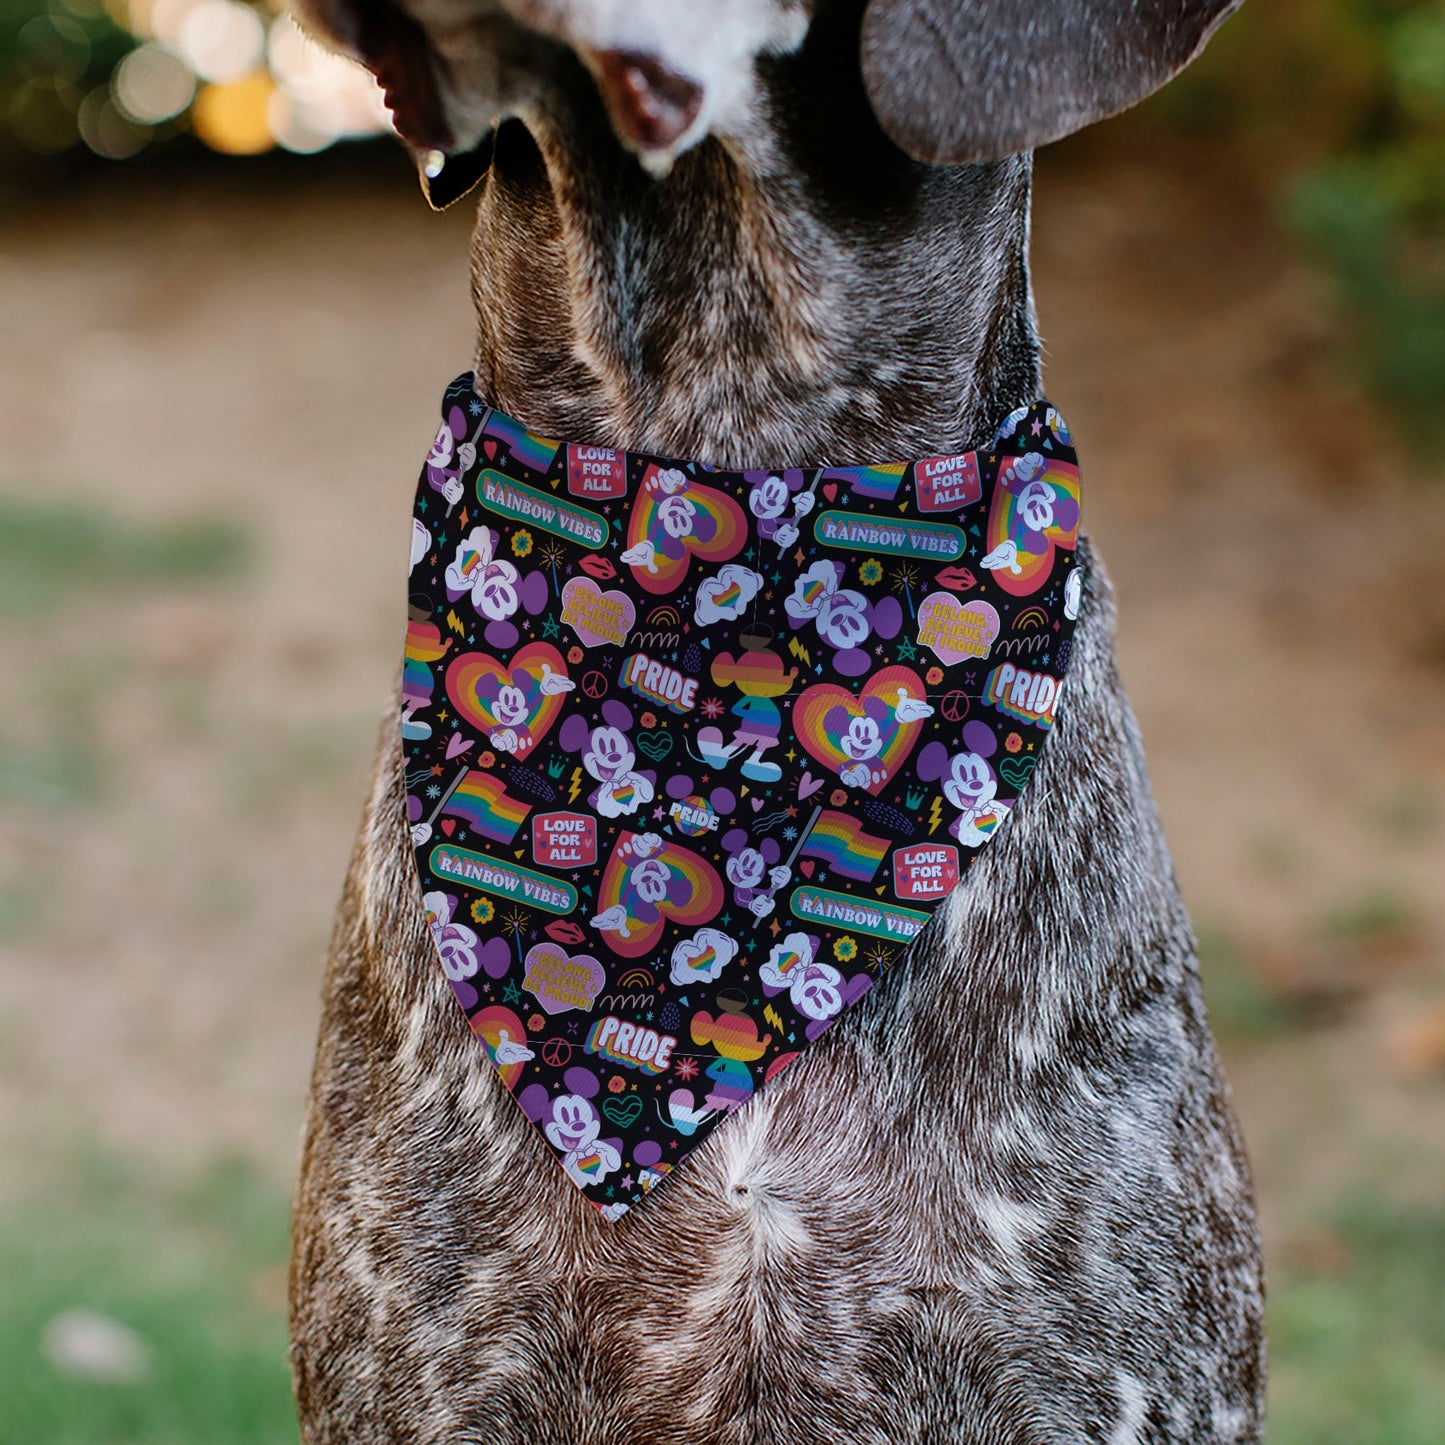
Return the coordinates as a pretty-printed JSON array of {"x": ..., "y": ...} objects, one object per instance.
[{"x": 1004, "y": 1198}]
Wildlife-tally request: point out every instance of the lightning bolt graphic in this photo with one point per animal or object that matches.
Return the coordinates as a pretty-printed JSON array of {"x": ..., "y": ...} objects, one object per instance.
[
  {"x": 577, "y": 785},
  {"x": 772, "y": 1016},
  {"x": 801, "y": 653},
  {"x": 455, "y": 623},
  {"x": 936, "y": 816}
]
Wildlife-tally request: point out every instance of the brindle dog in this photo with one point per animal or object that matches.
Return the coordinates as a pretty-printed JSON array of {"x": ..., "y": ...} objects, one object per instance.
[{"x": 1003, "y": 1199}]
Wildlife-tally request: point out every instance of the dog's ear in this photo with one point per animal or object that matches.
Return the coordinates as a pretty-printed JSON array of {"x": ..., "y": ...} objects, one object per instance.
[{"x": 974, "y": 80}]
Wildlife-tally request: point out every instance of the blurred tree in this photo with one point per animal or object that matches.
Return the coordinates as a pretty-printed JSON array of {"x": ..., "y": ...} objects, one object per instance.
[
  {"x": 115, "y": 77},
  {"x": 1338, "y": 106}
]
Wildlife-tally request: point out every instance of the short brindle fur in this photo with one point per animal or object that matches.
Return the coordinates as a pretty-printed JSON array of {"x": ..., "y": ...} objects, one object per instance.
[{"x": 1003, "y": 1200}]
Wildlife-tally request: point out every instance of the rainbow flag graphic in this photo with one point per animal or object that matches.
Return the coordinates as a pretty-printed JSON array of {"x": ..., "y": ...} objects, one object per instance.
[
  {"x": 483, "y": 802},
  {"x": 533, "y": 452},
  {"x": 878, "y": 484},
  {"x": 844, "y": 847}
]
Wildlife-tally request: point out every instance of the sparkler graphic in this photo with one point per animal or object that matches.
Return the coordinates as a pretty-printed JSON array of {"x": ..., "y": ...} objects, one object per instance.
[
  {"x": 905, "y": 580},
  {"x": 553, "y": 555},
  {"x": 515, "y": 922}
]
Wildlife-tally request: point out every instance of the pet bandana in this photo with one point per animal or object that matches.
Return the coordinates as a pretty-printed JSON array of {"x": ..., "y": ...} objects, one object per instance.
[{"x": 693, "y": 755}]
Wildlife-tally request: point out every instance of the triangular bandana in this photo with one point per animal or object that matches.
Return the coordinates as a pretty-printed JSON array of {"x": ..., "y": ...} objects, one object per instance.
[{"x": 693, "y": 755}]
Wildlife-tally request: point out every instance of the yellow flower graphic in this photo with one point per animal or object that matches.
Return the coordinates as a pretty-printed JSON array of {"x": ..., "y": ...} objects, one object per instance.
[
  {"x": 522, "y": 544},
  {"x": 871, "y": 571},
  {"x": 845, "y": 950},
  {"x": 482, "y": 910}
]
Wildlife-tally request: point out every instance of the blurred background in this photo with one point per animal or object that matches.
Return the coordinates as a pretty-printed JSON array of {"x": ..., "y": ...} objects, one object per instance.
[{"x": 225, "y": 316}]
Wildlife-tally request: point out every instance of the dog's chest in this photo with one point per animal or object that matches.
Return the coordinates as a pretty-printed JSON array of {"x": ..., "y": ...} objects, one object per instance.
[{"x": 921, "y": 1259}]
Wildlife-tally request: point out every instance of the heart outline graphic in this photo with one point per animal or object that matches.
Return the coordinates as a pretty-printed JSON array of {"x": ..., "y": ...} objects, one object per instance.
[
  {"x": 655, "y": 744},
  {"x": 623, "y": 1112},
  {"x": 1017, "y": 771}
]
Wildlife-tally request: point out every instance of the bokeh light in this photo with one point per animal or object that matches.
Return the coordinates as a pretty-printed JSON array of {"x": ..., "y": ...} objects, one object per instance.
[
  {"x": 117, "y": 76},
  {"x": 231, "y": 117},
  {"x": 221, "y": 40},
  {"x": 152, "y": 84}
]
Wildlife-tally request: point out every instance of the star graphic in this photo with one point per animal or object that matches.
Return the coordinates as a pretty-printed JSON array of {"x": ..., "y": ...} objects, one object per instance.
[
  {"x": 1037, "y": 427},
  {"x": 790, "y": 755},
  {"x": 550, "y": 626},
  {"x": 907, "y": 651},
  {"x": 443, "y": 715},
  {"x": 511, "y": 994}
]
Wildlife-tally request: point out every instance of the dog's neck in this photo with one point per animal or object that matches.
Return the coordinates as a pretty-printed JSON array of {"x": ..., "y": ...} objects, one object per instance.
[{"x": 802, "y": 295}]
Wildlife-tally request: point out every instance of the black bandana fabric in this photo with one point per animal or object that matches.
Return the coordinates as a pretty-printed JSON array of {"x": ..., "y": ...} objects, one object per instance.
[{"x": 692, "y": 755}]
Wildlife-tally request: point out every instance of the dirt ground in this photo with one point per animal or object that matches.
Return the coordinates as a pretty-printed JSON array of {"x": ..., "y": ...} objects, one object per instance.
[{"x": 184, "y": 760}]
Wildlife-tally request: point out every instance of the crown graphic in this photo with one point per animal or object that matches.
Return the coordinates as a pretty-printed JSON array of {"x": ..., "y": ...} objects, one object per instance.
[
  {"x": 556, "y": 766},
  {"x": 913, "y": 800}
]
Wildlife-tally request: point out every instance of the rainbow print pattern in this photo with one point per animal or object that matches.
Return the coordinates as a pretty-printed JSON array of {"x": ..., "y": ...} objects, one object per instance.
[
  {"x": 676, "y": 520},
  {"x": 481, "y": 800},
  {"x": 873, "y": 484},
  {"x": 534, "y": 453},
  {"x": 670, "y": 827},
  {"x": 842, "y": 844}
]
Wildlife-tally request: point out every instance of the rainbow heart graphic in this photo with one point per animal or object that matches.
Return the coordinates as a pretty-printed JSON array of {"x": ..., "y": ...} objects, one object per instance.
[
  {"x": 1035, "y": 509},
  {"x": 651, "y": 881},
  {"x": 520, "y": 697},
  {"x": 830, "y": 721},
  {"x": 675, "y": 519},
  {"x": 499, "y": 1027}
]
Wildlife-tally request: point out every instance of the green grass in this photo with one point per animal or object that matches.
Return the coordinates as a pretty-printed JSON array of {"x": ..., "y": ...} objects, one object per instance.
[
  {"x": 1379, "y": 914},
  {"x": 53, "y": 553},
  {"x": 1241, "y": 1006},
  {"x": 195, "y": 1276},
  {"x": 1358, "y": 1353}
]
